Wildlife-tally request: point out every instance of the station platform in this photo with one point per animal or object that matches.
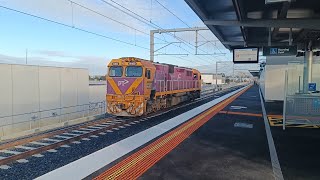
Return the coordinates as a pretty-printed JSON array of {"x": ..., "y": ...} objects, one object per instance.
[
  {"x": 231, "y": 145},
  {"x": 231, "y": 139}
]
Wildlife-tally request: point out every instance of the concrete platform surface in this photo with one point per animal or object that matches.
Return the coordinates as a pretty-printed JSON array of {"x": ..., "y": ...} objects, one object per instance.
[
  {"x": 228, "y": 146},
  {"x": 234, "y": 145}
]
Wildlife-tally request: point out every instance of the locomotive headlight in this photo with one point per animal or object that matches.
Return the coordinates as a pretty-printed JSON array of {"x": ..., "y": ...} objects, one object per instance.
[{"x": 132, "y": 63}]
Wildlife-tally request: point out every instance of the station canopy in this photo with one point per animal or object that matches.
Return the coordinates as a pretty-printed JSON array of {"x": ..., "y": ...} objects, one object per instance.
[{"x": 239, "y": 23}]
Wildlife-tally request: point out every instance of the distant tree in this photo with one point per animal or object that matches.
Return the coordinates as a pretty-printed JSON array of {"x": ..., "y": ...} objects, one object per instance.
[
  {"x": 102, "y": 78},
  {"x": 91, "y": 78},
  {"x": 227, "y": 81}
]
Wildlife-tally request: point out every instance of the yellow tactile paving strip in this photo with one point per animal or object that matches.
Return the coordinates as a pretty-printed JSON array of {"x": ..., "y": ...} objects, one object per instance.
[{"x": 136, "y": 164}]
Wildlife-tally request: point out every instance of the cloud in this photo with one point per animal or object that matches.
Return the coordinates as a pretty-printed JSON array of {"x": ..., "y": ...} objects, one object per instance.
[
  {"x": 52, "y": 53},
  {"x": 96, "y": 65}
]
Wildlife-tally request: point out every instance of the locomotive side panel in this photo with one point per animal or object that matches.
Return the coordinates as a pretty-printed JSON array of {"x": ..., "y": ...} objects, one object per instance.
[{"x": 136, "y": 87}]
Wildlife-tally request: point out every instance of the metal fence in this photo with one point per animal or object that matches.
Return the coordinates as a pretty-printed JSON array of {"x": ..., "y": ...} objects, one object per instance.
[
  {"x": 299, "y": 108},
  {"x": 302, "y": 109},
  {"x": 36, "y": 120}
]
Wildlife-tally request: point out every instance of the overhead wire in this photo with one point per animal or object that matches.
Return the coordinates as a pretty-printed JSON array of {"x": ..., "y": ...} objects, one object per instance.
[
  {"x": 73, "y": 27},
  {"x": 185, "y": 23},
  {"x": 85, "y": 30},
  {"x": 147, "y": 22},
  {"x": 112, "y": 19}
]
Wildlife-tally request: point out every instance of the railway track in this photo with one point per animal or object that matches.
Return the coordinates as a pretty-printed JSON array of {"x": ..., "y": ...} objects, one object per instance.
[{"x": 21, "y": 149}]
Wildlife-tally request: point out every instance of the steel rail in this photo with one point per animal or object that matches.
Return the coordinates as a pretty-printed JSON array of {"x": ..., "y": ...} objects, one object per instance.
[{"x": 114, "y": 124}]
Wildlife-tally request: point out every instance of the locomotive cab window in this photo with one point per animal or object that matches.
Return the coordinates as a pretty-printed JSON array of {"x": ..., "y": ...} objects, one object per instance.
[
  {"x": 189, "y": 73},
  {"x": 115, "y": 71},
  {"x": 195, "y": 76},
  {"x": 148, "y": 74},
  {"x": 134, "y": 71}
]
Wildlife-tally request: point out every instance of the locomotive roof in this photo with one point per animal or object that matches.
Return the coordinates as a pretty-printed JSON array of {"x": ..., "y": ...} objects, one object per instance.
[{"x": 139, "y": 59}]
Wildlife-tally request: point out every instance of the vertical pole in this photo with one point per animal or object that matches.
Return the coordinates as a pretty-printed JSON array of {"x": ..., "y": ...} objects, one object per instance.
[
  {"x": 285, "y": 101},
  {"x": 233, "y": 73},
  {"x": 290, "y": 37},
  {"x": 299, "y": 84},
  {"x": 309, "y": 65},
  {"x": 307, "y": 70},
  {"x": 196, "y": 42},
  {"x": 269, "y": 37},
  {"x": 217, "y": 75},
  {"x": 26, "y": 56},
  {"x": 151, "y": 46}
]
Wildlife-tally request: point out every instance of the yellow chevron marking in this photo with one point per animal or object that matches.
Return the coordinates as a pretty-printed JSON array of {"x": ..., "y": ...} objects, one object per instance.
[
  {"x": 114, "y": 86},
  {"x": 277, "y": 121},
  {"x": 135, "y": 84}
]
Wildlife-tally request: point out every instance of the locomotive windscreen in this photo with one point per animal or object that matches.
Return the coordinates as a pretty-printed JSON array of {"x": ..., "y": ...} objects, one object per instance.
[
  {"x": 133, "y": 71},
  {"x": 115, "y": 71}
]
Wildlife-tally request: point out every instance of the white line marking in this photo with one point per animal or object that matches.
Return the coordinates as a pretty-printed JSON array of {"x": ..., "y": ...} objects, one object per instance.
[
  {"x": 109, "y": 131},
  {"x": 52, "y": 150},
  {"x": 53, "y": 140},
  {"x": 70, "y": 134},
  {"x": 10, "y": 152},
  {"x": 63, "y": 137},
  {"x": 76, "y": 142},
  {"x": 1, "y": 157},
  {"x": 86, "y": 129},
  {"x": 243, "y": 125},
  {"x": 272, "y": 149},
  {"x": 38, "y": 155},
  {"x": 22, "y": 161},
  {"x": 25, "y": 147},
  {"x": 82, "y": 132},
  {"x": 127, "y": 125},
  {"x": 102, "y": 133},
  {"x": 94, "y": 127},
  {"x": 65, "y": 146},
  {"x": 39, "y": 143},
  {"x": 5, "y": 167},
  {"x": 85, "y": 139},
  {"x": 87, "y": 165},
  {"x": 122, "y": 127},
  {"x": 102, "y": 126},
  {"x": 115, "y": 128},
  {"x": 94, "y": 136}
]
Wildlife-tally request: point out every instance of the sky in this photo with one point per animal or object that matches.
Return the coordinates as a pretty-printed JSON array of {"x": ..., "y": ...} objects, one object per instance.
[{"x": 89, "y": 33}]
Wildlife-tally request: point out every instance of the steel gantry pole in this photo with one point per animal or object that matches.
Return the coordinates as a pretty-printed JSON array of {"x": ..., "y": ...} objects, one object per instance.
[
  {"x": 152, "y": 45},
  {"x": 153, "y": 32},
  {"x": 217, "y": 75},
  {"x": 307, "y": 70}
]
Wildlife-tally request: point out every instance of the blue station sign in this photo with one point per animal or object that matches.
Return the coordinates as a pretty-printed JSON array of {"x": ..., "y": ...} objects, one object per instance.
[
  {"x": 312, "y": 86},
  {"x": 279, "y": 50}
]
